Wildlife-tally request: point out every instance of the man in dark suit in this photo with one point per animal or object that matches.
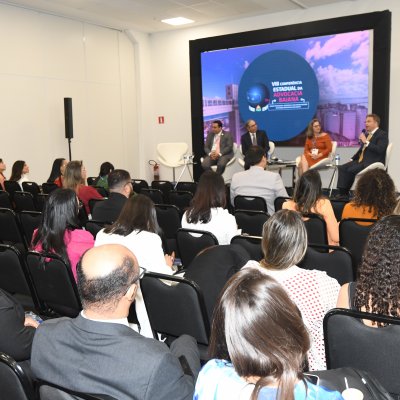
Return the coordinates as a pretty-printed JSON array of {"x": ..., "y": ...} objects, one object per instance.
[
  {"x": 97, "y": 352},
  {"x": 218, "y": 148},
  {"x": 120, "y": 187},
  {"x": 373, "y": 147},
  {"x": 254, "y": 137}
]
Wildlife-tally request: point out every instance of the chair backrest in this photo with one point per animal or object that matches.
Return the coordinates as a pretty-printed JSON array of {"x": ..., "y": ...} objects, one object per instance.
[
  {"x": 10, "y": 230},
  {"x": 48, "y": 187},
  {"x": 165, "y": 187},
  {"x": 101, "y": 191},
  {"x": 271, "y": 150},
  {"x": 139, "y": 184},
  {"x": 250, "y": 203},
  {"x": 336, "y": 261},
  {"x": 91, "y": 180},
  {"x": 350, "y": 343},
  {"x": 14, "y": 382},
  {"x": 252, "y": 244},
  {"x": 192, "y": 241},
  {"x": 31, "y": 187},
  {"x": 180, "y": 198},
  {"x": 11, "y": 187},
  {"x": 353, "y": 236},
  {"x": 175, "y": 306},
  {"x": 316, "y": 229},
  {"x": 93, "y": 226},
  {"x": 92, "y": 204},
  {"x": 169, "y": 220},
  {"x": 5, "y": 201},
  {"x": 187, "y": 186},
  {"x": 24, "y": 201},
  {"x": 388, "y": 154},
  {"x": 40, "y": 200},
  {"x": 29, "y": 221},
  {"x": 338, "y": 206},
  {"x": 155, "y": 194},
  {"x": 278, "y": 202},
  {"x": 251, "y": 222},
  {"x": 54, "y": 283},
  {"x": 172, "y": 153}
]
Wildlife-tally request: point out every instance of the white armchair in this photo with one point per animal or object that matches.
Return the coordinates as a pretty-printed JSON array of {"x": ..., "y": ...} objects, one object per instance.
[
  {"x": 171, "y": 155},
  {"x": 325, "y": 162}
]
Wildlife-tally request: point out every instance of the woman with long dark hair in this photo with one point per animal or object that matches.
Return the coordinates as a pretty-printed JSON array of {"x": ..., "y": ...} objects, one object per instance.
[
  {"x": 57, "y": 172},
  {"x": 308, "y": 198},
  {"x": 258, "y": 345},
  {"x": 377, "y": 289},
  {"x": 105, "y": 169},
  {"x": 207, "y": 212},
  {"x": 19, "y": 172},
  {"x": 58, "y": 231}
]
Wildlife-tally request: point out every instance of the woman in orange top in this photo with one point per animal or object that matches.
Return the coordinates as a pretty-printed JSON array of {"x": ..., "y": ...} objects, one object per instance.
[
  {"x": 374, "y": 197},
  {"x": 318, "y": 146}
]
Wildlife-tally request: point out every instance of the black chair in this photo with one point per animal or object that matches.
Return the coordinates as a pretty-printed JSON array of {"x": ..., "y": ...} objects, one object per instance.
[
  {"x": 175, "y": 306},
  {"x": 14, "y": 382},
  {"x": 12, "y": 187},
  {"x": 82, "y": 214},
  {"x": 350, "y": 343},
  {"x": 278, "y": 202},
  {"x": 94, "y": 226},
  {"x": 15, "y": 278},
  {"x": 250, "y": 203},
  {"x": 165, "y": 187},
  {"x": 29, "y": 221},
  {"x": 338, "y": 206},
  {"x": 11, "y": 230},
  {"x": 24, "y": 201},
  {"x": 54, "y": 283},
  {"x": 155, "y": 194},
  {"x": 251, "y": 222},
  {"x": 252, "y": 244},
  {"x": 187, "y": 187},
  {"x": 92, "y": 204},
  {"x": 40, "y": 200},
  {"x": 139, "y": 184},
  {"x": 337, "y": 263},
  {"x": 169, "y": 220},
  {"x": 101, "y": 191},
  {"x": 31, "y": 187},
  {"x": 91, "y": 180},
  {"x": 50, "y": 391},
  {"x": 353, "y": 236},
  {"x": 5, "y": 201},
  {"x": 181, "y": 199},
  {"x": 191, "y": 242},
  {"x": 48, "y": 187},
  {"x": 316, "y": 229}
]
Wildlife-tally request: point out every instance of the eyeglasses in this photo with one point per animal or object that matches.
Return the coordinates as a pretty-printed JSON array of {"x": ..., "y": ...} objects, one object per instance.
[{"x": 316, "y": 126}]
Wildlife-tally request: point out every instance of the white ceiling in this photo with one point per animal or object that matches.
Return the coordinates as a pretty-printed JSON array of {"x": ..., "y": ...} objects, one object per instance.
[{"x": 146, "y": 15}]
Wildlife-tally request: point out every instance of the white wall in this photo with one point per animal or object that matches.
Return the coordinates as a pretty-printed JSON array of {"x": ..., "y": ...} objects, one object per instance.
[
  {"x": 44, "y": 59},
  {"x": 168, "y": 73}
]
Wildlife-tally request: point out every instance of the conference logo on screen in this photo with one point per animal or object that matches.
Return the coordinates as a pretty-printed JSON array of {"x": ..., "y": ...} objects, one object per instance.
[{"x": 280, "y": 90}]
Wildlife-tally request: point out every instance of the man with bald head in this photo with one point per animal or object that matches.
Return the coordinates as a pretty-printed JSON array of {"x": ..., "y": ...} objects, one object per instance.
[{"x": 97, "y": 352}]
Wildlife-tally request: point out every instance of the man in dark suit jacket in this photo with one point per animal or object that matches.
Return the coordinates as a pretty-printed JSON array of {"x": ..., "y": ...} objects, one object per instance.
[
  {"x": 261, "y": 138},
  {"x": 98, "y": 352},
  {"x": 120, "y": 187},
  {"x": 373, "y": 149},
  {"x": 218, "y": 148}
]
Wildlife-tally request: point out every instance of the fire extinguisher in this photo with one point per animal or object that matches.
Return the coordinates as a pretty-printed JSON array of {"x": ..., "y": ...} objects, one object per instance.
[{"x": 156, "y": 170}]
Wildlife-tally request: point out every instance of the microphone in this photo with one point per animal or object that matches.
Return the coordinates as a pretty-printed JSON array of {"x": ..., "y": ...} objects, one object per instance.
[{"x": 364, "y": 131}]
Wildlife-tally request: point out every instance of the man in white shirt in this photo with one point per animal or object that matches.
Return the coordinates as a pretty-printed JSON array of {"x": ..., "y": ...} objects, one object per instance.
[{"x": 256, "y": 181}]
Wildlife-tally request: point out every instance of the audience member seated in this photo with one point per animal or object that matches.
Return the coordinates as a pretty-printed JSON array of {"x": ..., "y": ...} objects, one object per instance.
[
  {"x": 284, "y": 244},
  {"x": 101, "y": 180},
  {"x": 207, "y": 212},
  {"x": 75, "y": 179},
  {"x": 317, "y": 147},
  {"x": 212, "y": 267},
  {"x": 374, "y": 196},
  {"x": 57, "y": 172},
  {"x": 258, "y": 345},
  {"x": 308, "y": 198},
  {"x": 17, "y": 330},
  {"x": 377, "y": 289},
  {"x": 2, "y": 177},
  {"x": 256, "y": 181},
  {"x": 97, "y": 352},
  {"x": 120, "y": 187},
  {"x": 19, "y": 172},
  {"x": 137, "y": 229},
  {"x": 58, "y": 231}
]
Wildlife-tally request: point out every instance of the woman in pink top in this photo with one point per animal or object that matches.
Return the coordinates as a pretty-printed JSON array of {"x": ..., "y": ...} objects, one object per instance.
[
  {"x": 58, "y": 231},
  {"x": 308, "y": 198}
]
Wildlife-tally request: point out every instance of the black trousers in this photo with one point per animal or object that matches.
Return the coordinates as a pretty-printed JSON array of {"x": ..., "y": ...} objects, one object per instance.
[{"x": 347, "y": 174}]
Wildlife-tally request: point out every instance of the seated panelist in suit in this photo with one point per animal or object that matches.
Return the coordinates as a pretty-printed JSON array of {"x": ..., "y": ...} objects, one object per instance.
[
  {"x": 254, "y": 137},
  {"x": 120, "y": 187},
  {"x": 97, "y": 352},
  {"x": 374, "y": 142},
  {"x": 218, "y": 148}
]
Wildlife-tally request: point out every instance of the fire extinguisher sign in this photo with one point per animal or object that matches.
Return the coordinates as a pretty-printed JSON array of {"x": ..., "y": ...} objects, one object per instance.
[{"x": 161, "y": 119}]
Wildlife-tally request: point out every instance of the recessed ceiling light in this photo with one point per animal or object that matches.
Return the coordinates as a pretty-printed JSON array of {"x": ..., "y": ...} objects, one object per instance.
[{"x": 177, "y": 21}]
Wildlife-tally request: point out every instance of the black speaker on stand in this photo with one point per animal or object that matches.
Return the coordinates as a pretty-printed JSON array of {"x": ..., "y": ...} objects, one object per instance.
[{"x": 69, "y": 128}]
